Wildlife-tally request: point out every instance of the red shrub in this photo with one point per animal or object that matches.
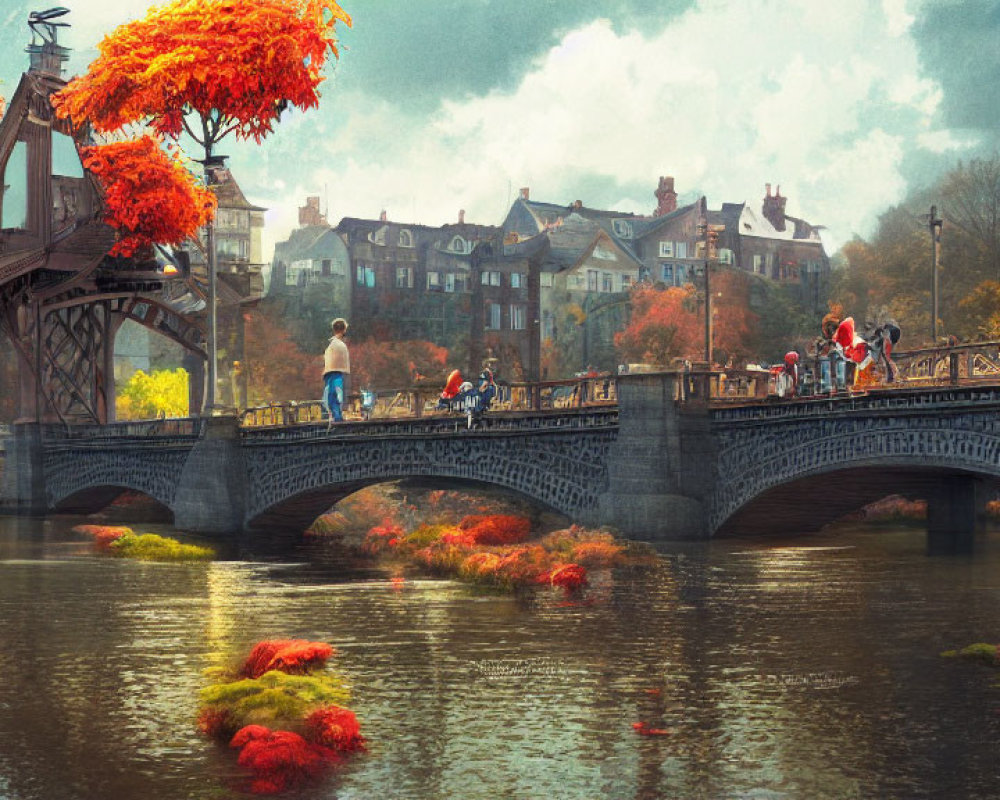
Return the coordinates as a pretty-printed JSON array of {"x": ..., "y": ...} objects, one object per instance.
[
  {"x": 496, "y": 529},
  {"x": 279, "y": 759},
  {"x": 569, "y": 576},
  {"x": 383, "y": 537},
  {"x": 336, "y": 728},
  {"x": 294, "y": 656}
]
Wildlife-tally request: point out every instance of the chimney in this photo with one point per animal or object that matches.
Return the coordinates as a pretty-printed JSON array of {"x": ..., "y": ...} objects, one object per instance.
[
  {"x": 309, "y": 214},
  {"x": 577, "y": 204},
  {"x": 524, "y": 192},
  {"x": 461, "y": 216},
  {"x": 774, "y": 207},
  {"x": 666, "y": 196},
  {"x": 382, "y": 217}
]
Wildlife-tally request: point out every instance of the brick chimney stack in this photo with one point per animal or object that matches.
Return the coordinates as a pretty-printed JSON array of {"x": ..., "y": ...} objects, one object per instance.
[
  {"x": 577, "y": 205},
  {"x": 524, "y": 192},
  {"x": 774, "y": 207},
  {"x": 382, "y": 217},
  {"x": 461, "y": 216},
  {"x": 309, "y": 214},
  {"x": 666, "y": 196}
]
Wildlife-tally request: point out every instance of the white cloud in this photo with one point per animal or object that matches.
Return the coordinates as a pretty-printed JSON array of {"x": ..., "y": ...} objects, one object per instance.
[{"x": 820, "y": 99}]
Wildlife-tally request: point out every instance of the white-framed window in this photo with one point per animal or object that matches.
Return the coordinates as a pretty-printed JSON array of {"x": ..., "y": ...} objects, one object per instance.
[
  {"x": 606, "y": 282},
  {"x": 366, "y": 275},
  {"x": 680, "y": 249},
  {"x": 516, "y": 280},
  {"x": 758, "y": 264},
  {"x": 449, "y": 282},
  {"x": 545, "y": 280},
  {"x": 725, "y": 256},
  {"x": 404, "y": 277},
  {"x": 516, "y": 317},
  {"x": 666, "y": 249},
  {"x": 492, "y": 316},
  {"x": 591, "y": 280},
  {"x": 459, "y": 245},
  {"x": 433, "y": 280},
  {"x": 405, "y": 238}
]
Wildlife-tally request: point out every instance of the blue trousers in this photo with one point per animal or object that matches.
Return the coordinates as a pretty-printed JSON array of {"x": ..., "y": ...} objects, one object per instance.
[{"x": 333, "y": 394}]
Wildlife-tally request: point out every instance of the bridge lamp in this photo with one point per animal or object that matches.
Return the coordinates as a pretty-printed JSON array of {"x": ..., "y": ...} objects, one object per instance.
[{"x": 935, "y": 223}]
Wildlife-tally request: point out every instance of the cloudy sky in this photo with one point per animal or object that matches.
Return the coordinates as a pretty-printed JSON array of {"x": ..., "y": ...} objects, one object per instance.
[{"x": 437, "y": 105}]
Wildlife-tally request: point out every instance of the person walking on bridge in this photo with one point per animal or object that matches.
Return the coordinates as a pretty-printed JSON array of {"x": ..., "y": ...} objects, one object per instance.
[{"x": 336, "y": 364}]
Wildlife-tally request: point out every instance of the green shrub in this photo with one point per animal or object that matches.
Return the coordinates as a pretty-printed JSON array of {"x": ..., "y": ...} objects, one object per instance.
[{"x": 150, "y": 547}]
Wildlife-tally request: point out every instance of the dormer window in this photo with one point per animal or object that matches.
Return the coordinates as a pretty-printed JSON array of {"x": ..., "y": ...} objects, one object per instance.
[
  {"x": 377, "y": 237},
  {"x": 405, "y": 238},
  {"x": 459, "y": 245},
  {"x": 623, "y": 228}
]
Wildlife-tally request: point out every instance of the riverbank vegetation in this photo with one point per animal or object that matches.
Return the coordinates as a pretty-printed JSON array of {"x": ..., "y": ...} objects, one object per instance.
[
  {"x": 478, "y": 538},
  {"x": 283, "y": 712},
  {"x": 123, "y": 542}
]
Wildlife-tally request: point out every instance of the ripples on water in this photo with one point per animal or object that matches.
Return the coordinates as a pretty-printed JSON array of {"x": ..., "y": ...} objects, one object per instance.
[{"x": 791, "y": 670}]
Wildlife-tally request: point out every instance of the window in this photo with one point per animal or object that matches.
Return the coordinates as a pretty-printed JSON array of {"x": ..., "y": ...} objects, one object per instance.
[
  {"x": 626, "y": 282},
  {"x": 668, "y": 274},
  {"x": 623, "y": 228},
  {"x": 516, "y": 280},
  {"x": 493, "y": 316},
  {"x": 606, "y": 285},
  {"x": 461, "y": 282},
  {"x": 548, "y": 325},
  {"x": 666, "y": 249},
  {"x": 725, "y": 256},
  {"x": 366, "y": 275},
  {"x": 644, "y": 274},
  {"x": 15, "y": 188},
  {"x": 758, "y": 264},
  {"x": 325, "y": 268},
  {"x": 449, "y": 282},
  {"x": 517, "y": 318},
  {"x": 459, "y": 245},
  {"x": 591, "y": 280},
  {"x": 232, "y": 248},
  {"x": 404, "y": 277},
  {"x": 682, "y": 275},
  {"x": 681, "y": 250},
  {"x": 405, "y": 238},
  {"x": 434, "y": 281},
  {"x": 546, "y": 280}
]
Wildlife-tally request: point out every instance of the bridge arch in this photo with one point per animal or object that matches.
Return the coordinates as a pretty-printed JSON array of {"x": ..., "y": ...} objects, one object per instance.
[
  {"x": 295, "y": 483},
  {"x": 844, "y": 470}
]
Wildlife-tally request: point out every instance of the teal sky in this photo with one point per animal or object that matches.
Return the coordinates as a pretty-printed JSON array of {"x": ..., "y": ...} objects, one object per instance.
[{"x": 441, "y": 105}]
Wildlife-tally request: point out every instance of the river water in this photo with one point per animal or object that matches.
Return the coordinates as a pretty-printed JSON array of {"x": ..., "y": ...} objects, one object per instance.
[{"x": 802, "y": 668}]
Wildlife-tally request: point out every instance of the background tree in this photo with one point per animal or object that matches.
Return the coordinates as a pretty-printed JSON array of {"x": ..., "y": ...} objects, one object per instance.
[
  {"x": 277, "y": 369},
  {"x": 208, "y": 68},
  {"x": 161, "y": 393},
  {"x": 664, "y": 325},
  {"x": 971, "y": 203},
  {"x": 384, "y": 365}
]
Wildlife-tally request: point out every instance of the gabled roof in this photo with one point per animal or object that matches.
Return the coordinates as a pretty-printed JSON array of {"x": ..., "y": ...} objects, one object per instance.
[
  {"x": 229, "y": 193},
  {"x": 754, "y": 223},
  {"x": 310, "y": 241},
  {"x": 575, "y": 239},
  {"x": 647, "y": 225}
]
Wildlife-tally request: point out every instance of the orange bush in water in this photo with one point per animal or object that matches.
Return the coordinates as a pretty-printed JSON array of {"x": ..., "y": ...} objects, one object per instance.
[
  {"x": 335, "y": 727},
  {"x": 495, "y": 529},
  {"x": 382, "y": 537},
  {"x": 568, "y": 576},
  {"x": 103, "y": 535},
  {"x": 279, "y": 759},
  {"x": 293, "y": 656}
]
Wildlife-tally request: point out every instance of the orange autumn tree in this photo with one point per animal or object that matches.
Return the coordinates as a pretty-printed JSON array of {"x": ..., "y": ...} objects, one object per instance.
[
  {"x": 150, "y": 196},
  {"x": 665, "y": 324}
]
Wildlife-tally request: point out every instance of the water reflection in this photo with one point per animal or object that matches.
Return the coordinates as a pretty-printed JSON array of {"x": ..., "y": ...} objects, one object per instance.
[{"x": 773, "y": 671}]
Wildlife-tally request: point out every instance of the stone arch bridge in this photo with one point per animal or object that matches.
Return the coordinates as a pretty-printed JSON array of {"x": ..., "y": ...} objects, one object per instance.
[{"x": 663, "y": 464}]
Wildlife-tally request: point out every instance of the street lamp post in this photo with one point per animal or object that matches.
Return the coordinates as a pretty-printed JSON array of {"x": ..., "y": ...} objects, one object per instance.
[
  {"x": 213, "y": 164},
  {"x": 935, "y": 226}
]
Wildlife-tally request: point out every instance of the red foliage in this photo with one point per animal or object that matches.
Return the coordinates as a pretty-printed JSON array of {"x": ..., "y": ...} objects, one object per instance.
[
  {"x": 643, "y": 729},
  {"x": 496, "y": 529},
  {"x": 150, "y": 197},
  {"x": 103, "y": 535},
  {"x": 336, "y": 728},
  {"x": 665, "y": 324},
  {"x": 569, "y": 576},
  {"x": 394, "y": 365},
  {"x": 277, "y": 369},
  {"x": 293, "y": 656},
  {"x": 279, "y": 759},
  {"x": 383, "y": 537}
]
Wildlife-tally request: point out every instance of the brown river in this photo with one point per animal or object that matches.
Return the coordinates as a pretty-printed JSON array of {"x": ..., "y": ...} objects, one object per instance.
[{"x": 793, "y": 668}]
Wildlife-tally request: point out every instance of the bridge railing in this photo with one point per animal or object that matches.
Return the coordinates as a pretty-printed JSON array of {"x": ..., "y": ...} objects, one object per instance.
[
  {"x": 420, "y": 401},
  {"x": 180, "y": 427}
]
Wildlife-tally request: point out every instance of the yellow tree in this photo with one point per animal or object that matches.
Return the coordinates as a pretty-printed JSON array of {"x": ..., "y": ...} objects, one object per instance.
[
  {"x": 209, "y": 68},
  {"x": 161, "y": 393}
]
